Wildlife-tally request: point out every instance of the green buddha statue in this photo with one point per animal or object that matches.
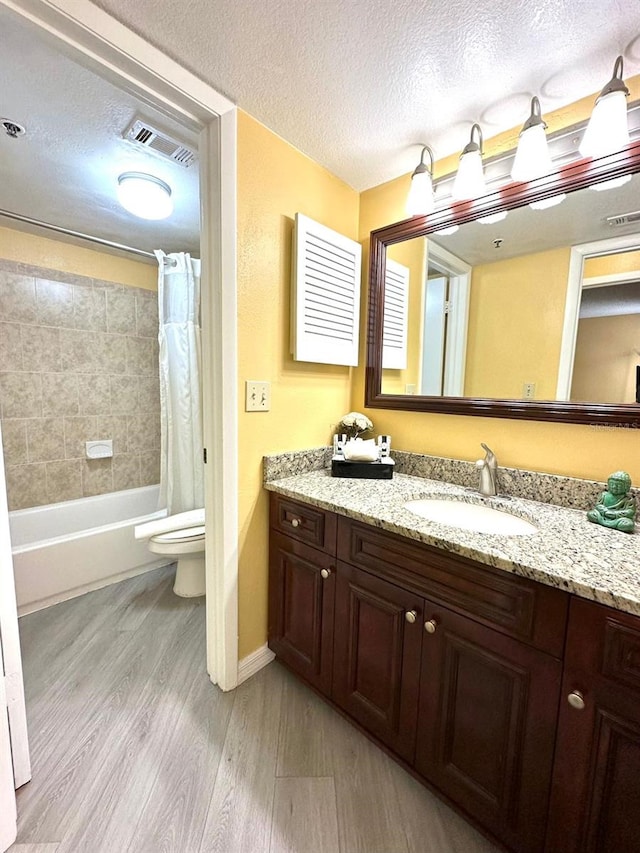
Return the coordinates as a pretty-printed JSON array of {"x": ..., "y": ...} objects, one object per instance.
[{"x": 615, "y": 508}]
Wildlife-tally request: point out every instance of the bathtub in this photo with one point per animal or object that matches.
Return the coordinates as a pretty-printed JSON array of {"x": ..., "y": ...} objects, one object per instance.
[{"x": 63, "y": 550}]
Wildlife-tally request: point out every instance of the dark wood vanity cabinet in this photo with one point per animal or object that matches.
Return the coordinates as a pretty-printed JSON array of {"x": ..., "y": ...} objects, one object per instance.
[
  {"x": 458, "y": 669},
  {"x": 595, "y": 803}
]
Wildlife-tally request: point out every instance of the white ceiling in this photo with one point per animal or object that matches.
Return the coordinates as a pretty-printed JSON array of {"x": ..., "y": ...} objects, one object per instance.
[
  {"x": 65, "y": 169},
  {"x": 355, "y": 84}
]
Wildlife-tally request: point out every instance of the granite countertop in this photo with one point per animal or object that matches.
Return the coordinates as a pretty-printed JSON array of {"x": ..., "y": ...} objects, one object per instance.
[{"x": 567, "y": 551}]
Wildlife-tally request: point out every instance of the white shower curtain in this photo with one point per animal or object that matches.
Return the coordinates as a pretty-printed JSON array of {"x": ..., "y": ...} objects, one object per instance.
[{"x": 181, "y": 466}]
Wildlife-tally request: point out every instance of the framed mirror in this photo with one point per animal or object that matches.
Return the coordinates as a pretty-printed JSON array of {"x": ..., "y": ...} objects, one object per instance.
[{"x": 536, "y": 316}]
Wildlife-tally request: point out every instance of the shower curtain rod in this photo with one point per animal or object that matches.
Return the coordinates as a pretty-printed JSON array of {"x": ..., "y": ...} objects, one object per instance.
[{"x": 18, "y": 217}]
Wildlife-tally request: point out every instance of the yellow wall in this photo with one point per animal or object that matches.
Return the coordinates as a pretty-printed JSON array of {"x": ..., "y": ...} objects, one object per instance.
[
  {"x": 274, "y": 182},
  {"x": 620, "y": 262},
  {"x": 411, "y": 254},
  {"x": 27, "y": 248},
  {"x": 570, "y": 449},
  {"x": 516, "y": 314}
]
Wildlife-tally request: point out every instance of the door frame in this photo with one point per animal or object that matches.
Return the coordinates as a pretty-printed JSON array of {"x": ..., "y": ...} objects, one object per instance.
[
  {"x": 102, "y": 44},
  {"x": 579, "y": 254}
]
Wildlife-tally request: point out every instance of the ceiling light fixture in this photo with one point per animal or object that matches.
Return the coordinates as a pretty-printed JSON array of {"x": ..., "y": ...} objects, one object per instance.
[
  {"x": 469, "y": 182},
  {"x": 608, "y": 129},
  {"x": 145, "y": 195},
  {"x": 421, "y": 200},
  {"x": 532, "y": 158}
]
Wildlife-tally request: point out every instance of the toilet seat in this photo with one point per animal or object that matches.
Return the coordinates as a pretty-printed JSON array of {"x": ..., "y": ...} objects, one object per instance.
[{"x": 189, "y": 534}]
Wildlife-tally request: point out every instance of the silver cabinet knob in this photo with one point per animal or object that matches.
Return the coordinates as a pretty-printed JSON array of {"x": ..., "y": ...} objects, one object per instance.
[
  {"x": 430, "y": 626},
  {"x": 411, "y": 616},
  {"x": 576, "y": 700},
  {"x": 295, "y": 522},
  {"x": 325, "y": 573}
]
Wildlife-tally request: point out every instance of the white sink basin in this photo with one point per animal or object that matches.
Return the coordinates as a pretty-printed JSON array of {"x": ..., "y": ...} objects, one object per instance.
[{"x": 466, "y": 516}]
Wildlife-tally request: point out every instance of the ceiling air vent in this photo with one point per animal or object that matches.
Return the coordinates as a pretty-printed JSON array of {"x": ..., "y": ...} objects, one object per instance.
[
  {"x": 141, "y": 133},
  {"x": 623, "y": 219}
]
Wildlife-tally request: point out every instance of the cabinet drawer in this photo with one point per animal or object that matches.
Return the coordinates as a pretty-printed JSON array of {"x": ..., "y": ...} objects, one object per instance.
[
  {"x": 529, "y": 611},
  {"x": 306, "y": 523}
]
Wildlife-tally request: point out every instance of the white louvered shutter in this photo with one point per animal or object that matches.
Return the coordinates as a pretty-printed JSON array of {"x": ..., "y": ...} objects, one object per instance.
[
  {"x": 325, "y": 302},
  {"x": 396, "y": 310}
]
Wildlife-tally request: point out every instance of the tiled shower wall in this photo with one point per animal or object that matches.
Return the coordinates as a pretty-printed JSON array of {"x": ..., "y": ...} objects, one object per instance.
[{"x": 78, "y": 362}]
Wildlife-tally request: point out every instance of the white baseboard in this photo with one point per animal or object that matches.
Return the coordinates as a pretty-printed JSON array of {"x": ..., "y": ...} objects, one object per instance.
[
  {"x": 254, "y": 662},
  {"x": 50, "y": 600}
]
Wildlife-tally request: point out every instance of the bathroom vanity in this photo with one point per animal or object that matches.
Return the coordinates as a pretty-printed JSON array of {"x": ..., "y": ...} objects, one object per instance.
[{"x": 476, "y": 660}]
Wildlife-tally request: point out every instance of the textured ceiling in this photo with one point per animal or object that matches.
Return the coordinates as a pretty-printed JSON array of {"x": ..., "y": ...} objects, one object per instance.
[
  {"x": 355, "y": 84},
  {"x": 65, "y": 169}
]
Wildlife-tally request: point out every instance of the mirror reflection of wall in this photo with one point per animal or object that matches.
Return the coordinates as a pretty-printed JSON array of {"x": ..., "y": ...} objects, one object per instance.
[
  {"x": 607, "y": 354},
  {"x": 518, "y": 274}
]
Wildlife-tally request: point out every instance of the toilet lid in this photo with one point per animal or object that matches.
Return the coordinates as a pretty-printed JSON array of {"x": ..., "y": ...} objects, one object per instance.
[{"x": 188, "y": 534}]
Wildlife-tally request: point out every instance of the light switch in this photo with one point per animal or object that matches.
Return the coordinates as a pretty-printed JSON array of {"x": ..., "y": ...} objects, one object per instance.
[{"x": 257, "y": 396}]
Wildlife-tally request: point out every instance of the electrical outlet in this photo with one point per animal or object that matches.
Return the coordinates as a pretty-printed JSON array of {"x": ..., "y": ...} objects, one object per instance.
[
  {"x": 257, "y": 396},
  {"x": 529, "y": 390}
]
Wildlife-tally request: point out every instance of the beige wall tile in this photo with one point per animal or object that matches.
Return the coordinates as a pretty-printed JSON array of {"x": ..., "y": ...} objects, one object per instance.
[
  {"x": 143, "y": 433},
  {"x": 14, "y": 441},
  {"x": 95, "y": 394},
  {"x": 97, "y": 477},
  {"x": 126, "y": 471},
  {"x": 148, "y": 394},
  {"x": 59, "y": 394},
  {"x": 80, "y": 351},
  {"x": 41, "y": 349},
  {"x": 121, "y": 312},
  {"x": 124, "y": 394},
  {"x": 45, "y": 439},
  {"x": 54, "y": 303},
  {"x": 17, "y": 297},
  {"x": 77, "y": 431},
  {"x": 147, "y": 316},
  {"x": 21, "y": 395},
  {"x": 90, "y": 308},
  {"x": 149, "y": 468},
  {"x": 64, "y": 480},
  {"x": 26, "y": 486},
  {"x": 113, "y": 353},
  {"x": 115, "y": 428},
  {"x": 11, "y": 347},
  {"x": 140, "y": 357}
]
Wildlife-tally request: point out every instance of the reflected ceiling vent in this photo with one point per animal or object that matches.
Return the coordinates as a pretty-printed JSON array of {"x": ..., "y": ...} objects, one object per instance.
[
  {"x": 623, "y": 219},
  {"x": 12, "y": 128},
  {"x": 142, "y": 134}
]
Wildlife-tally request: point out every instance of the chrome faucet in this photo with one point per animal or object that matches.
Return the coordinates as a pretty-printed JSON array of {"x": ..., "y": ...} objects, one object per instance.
[{"x": 488, "y": 468}]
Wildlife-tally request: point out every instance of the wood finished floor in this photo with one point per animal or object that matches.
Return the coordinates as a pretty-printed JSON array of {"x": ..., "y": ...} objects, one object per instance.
[{"x": 135, "y": 751}]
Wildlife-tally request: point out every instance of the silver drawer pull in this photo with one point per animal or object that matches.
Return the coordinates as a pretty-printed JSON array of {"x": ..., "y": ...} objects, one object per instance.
[
  {"x": 411, "y": 616},
  {"x": 295, "y": 522},
  {"x": 325, "y": 573},
  {"x": 431, "y": 626}
]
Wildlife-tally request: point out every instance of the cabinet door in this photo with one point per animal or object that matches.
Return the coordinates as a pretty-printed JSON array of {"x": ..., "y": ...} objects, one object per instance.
[
  {"x": 488, "y": 711},
  {"x": 595, "y": 803},
  {"x": 377, "y": 656},
  {"x": 301, "y": 598}
]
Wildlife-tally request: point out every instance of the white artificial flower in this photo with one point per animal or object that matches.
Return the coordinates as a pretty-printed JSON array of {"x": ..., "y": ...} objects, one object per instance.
[{"x": 354, "y": 423}]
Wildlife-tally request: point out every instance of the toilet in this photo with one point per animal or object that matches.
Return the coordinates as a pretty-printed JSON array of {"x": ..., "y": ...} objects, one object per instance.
[{"x": 179, "y": 536}]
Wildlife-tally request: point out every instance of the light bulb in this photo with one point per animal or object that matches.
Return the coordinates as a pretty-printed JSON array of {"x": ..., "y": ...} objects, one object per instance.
[
  {"x": 532, "y": 158},
  {"x": 608, "y": 129},
  {"x": 144, "y": 195},
  {"x": 421, "y": 200}
]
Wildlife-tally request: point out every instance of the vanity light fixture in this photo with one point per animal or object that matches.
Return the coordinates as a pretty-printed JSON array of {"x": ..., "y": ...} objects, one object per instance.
[
  {"x": 421, "y": 199},
  {"x": 532, "y": 158},
  {"x": 469, "y": 181},
  {"x": 145, "y": 195},
  {"x": 608, "y": 130}
]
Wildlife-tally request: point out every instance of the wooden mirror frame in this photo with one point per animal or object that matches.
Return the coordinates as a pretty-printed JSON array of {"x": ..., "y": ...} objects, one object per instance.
[{"x": 575, "y": 176}]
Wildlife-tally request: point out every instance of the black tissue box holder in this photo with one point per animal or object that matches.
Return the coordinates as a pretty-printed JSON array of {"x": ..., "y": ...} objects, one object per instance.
[{"x": 378, "y": 470}]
